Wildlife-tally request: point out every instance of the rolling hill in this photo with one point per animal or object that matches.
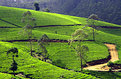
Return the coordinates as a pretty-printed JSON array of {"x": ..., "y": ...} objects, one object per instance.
[{"x": 56, "y": 27}]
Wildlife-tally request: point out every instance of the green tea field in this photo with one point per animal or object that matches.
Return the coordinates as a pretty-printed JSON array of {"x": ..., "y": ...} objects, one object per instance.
[{"x": 55, "y": 57}]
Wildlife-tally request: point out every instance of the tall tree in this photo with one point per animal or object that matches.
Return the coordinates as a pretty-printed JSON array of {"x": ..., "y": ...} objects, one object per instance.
[
  {"x": 91, "y": 21},
  {"x": 80, "y": 35},
  {"x": 42, "y": 42},
  {"x": 37, "y": 8},
  {"x": 30, "y": 23}
]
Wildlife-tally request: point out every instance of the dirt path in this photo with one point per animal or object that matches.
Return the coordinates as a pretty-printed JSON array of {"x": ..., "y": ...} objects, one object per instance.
[{"x": 104, "y": 67}]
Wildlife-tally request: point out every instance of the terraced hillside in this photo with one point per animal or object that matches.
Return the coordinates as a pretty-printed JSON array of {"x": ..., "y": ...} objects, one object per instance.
[{"x": 59, "y": 28}]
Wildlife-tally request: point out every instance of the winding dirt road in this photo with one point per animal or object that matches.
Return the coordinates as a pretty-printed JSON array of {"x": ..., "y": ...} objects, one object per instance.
[{"x": 104, "y": 67}]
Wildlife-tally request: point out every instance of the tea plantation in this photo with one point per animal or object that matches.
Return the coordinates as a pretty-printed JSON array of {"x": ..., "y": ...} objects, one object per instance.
[{"x": 64, "y": 60}]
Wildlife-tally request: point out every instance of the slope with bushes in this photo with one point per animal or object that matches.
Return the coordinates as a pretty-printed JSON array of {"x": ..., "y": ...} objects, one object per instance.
[
  {"x": 60, "y": 53},
  {"x": 32, "y": 66}
]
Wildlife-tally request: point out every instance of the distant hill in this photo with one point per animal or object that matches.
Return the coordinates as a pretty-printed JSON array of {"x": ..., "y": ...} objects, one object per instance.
[{"x": 107, "y": 10}]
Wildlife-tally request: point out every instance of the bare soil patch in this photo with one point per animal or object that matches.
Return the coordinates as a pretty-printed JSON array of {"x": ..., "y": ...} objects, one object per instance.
[{"x": 103, "y": 67}]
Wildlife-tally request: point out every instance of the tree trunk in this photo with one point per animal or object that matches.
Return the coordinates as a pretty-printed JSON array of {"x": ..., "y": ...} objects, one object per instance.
[
  {"x": 13, "y": 57},
  {"x": 93, "y": 34},
  {"x": 31, "y": 42},
  {"x": 81, "y": 63},
  {"x": 14, "y": 72},
  {"x": 31, "y": 46},
  {"x": 81, "y": 55}
]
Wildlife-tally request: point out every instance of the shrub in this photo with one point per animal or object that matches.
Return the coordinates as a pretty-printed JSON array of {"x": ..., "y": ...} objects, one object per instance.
[
  {"x": 110, "y": 64},
  {"x": 49, "y": 61}
]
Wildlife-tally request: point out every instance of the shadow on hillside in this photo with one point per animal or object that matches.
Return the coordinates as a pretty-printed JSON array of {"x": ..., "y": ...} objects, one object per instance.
[
  {"x": 104, "y": 75},
  {"x": 111, "y": 31},
  {"x": 59, "y": 63}
]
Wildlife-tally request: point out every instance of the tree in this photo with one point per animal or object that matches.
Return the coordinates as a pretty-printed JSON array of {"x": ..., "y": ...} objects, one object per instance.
[
  {"x": 14, "y": 64},
  {"x": 80, "y": 35},
  {"x": 44, "y": 39},
  {"x": 41, "y": 42},
  {"x": 30, "y": 23},
  {"x": 37, "y": 8},
  {"x": 14, "y": 51},
  {"x": 91, "y": 22},
  {"x": 110, "y": 64}
]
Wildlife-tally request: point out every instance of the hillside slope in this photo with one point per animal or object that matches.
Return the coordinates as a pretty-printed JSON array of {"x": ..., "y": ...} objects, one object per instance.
[
  {"x": 107, "y": 10},
  {"x": 14, "y": 15},
  {"x": 34, "y": 67},
  {"x": 59, "y": 31}
]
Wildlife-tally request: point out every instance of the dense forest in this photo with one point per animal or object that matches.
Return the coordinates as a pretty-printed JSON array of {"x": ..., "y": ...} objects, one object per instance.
[{"x": 107, "y": 10}]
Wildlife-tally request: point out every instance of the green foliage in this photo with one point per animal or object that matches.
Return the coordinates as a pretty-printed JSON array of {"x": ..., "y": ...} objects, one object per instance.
[
  {"x": 13, "y": 50},
  {"x": 37, "y": 8},
  {"x": 14, "y": 66},
  {"x": 30, "y": 23},
  {"x": 43, "y": 39},
  {"x": 91, "y": 22},
  {"x": 110, "y": 64},
  {"x": 80, "y": 35},
  {"x": 42, "y": 42},
  {"x": 93, "y": 17}
]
